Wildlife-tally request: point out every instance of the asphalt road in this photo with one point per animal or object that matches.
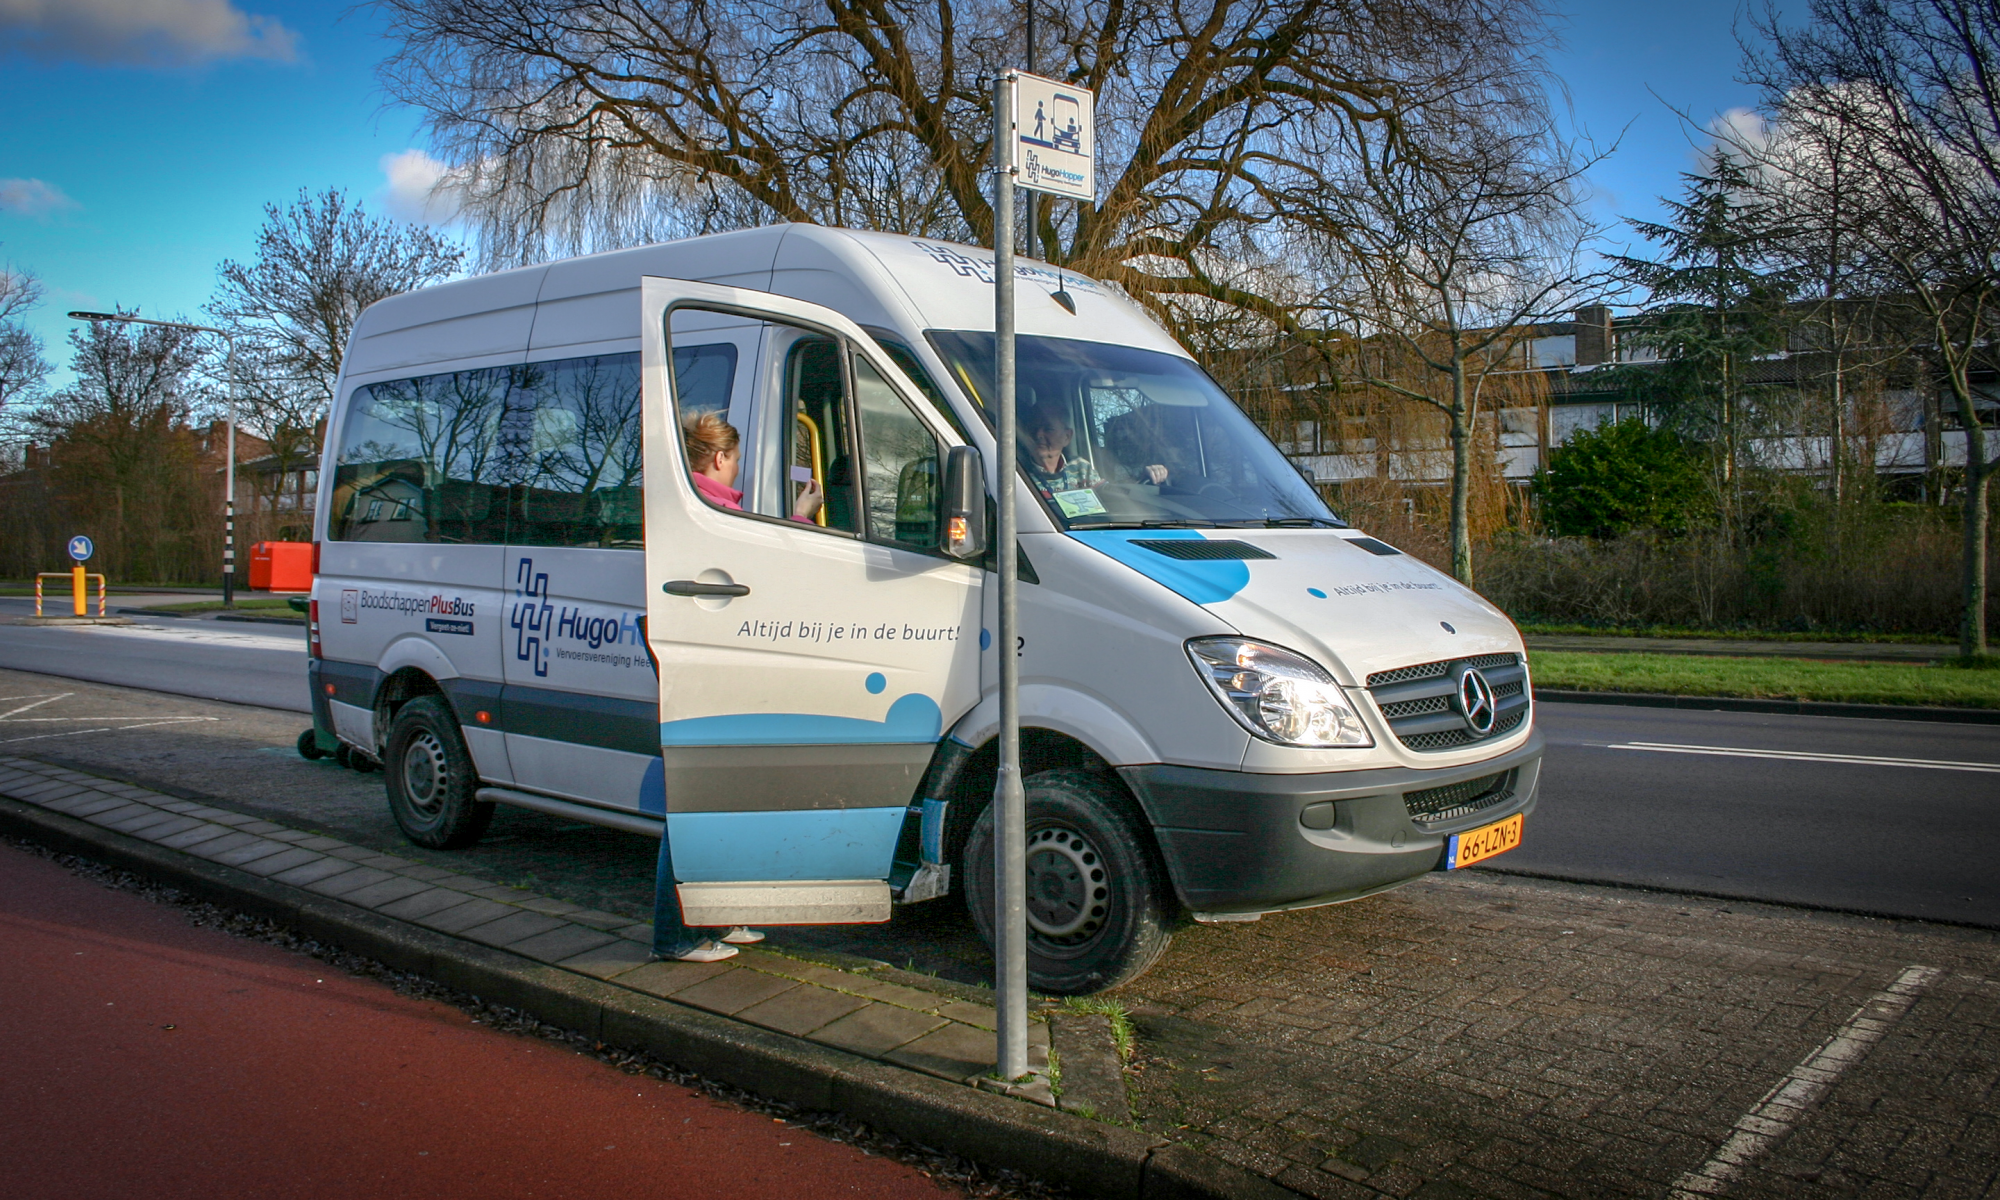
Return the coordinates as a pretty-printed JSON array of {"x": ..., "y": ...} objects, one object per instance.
[
  {"x": 1878, "y": 816},
  {"x": 150, "y": 1057},
  {"x": 240, "y": 662}
]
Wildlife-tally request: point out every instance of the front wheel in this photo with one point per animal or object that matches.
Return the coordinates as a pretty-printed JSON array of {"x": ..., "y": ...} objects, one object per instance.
[
  {"x": 433, "y": 787},
  {"x": 1099, "y": 909}
]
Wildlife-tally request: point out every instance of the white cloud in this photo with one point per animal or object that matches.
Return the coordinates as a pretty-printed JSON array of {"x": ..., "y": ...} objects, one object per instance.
[
  {"x": 419, "y": 188},
  {"x": 32, "y": 198},
  {"x": 152, "y": 32}
]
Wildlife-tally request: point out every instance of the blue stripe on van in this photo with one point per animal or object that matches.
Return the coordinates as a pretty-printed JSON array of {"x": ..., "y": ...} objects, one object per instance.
[
  {"x": 828, "y": 843},
  {"x": 913, "y": 718},
  {"x": 1204, "y": 581}
]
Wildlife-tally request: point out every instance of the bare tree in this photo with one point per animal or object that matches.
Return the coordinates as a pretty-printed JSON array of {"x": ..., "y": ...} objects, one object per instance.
[
  {"x": 579, "y": 124},
  {"x": 1914, "y": 82},
  {"x": 22, "y": 367},
  {"x": 320, "y": 261},
  {"x": 1445, "y": 263}
]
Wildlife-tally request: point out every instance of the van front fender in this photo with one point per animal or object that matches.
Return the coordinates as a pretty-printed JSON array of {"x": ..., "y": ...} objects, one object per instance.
[{"x": 1067, "y": 711}]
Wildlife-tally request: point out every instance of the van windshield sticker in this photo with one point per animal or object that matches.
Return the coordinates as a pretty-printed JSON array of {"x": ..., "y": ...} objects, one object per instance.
[{"x": 1080, "y": 503}]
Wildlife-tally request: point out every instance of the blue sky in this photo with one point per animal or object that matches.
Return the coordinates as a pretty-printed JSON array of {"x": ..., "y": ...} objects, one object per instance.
[{"x": 144, "y": 137}]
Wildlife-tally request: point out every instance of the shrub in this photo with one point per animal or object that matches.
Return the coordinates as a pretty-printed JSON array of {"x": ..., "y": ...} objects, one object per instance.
[{"x": 1619, "y": 477}]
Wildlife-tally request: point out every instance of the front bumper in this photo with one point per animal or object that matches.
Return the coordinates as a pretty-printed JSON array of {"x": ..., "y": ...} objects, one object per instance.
[{"x": 1238, "y": 844}]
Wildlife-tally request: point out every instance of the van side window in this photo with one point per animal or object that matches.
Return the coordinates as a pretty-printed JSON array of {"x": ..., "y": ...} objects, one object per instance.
[
  {"x": 577, "y": 443},
  {"x": 815, "y": 431},
  {"x": 901, "y": 463},
  {"x": 575, "y": 438},
  {"x": 419, "y": 460}
]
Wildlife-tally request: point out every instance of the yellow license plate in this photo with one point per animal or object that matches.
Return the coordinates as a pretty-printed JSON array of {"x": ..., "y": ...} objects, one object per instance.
[{"x": 1477, "y": 845}]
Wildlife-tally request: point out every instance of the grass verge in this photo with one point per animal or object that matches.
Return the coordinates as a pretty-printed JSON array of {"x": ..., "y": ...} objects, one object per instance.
[
  {"x": 263, "y": 606},
  {"x": 1944, "y": 684},
  {"x": 1547, "y": 629}
]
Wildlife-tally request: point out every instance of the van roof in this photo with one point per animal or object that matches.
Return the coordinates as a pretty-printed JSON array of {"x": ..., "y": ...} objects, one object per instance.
[{"x": 882, "y": 279}]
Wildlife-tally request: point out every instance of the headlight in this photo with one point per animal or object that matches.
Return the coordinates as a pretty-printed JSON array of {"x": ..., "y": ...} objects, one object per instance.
[{"x": 1276, "y": 694}]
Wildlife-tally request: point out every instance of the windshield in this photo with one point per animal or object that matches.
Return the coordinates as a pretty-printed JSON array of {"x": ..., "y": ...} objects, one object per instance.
[{"x": 1118, "y": 436}]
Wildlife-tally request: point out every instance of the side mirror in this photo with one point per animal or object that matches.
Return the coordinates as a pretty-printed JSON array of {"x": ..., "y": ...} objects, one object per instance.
[{"x": 964, "y": 504}]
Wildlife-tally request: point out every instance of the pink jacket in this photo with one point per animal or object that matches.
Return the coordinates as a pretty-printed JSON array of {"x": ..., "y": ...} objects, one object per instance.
[{"x": 725, "y": 497}]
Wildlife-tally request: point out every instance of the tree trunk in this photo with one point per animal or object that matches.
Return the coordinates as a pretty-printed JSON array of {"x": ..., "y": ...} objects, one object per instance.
[
  {"x": 1461, "y": 478},
  {"x": 1972, "y": 566}
]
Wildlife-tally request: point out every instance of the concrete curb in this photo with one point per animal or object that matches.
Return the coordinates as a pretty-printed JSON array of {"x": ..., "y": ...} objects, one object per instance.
[
  {"x": 1091, "y": 1158},
  {"x": 1803, "y": 708}
]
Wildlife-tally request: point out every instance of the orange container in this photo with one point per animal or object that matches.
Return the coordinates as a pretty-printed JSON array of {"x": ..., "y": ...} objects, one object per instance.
[{"x": 281, "y": 567}]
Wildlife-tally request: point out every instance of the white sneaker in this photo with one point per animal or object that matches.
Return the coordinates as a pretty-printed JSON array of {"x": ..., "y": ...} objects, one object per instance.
[
  {"x": 743, "y": 935},
  {"x": 707, "y": 952}
]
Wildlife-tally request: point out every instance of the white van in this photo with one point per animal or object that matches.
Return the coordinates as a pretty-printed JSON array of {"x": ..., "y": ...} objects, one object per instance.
[{"x": 1232, "y": 704}]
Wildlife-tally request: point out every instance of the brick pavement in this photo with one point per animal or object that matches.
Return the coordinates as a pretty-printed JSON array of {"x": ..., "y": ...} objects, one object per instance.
[{"x": 1480, "y": 1035}]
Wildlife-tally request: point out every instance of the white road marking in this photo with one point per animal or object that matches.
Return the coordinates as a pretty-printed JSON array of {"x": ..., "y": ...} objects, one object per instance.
[
  {"x": 106, "y": 729},
  {"x": 161, "y": 633},
  {"x": 37, "y": 704},
  {"x": 1781, "y": 1109},
  {"x": 1851, "y": 760}
]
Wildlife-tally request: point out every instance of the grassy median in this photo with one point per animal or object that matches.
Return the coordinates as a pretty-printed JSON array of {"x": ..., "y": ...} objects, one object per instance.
[{"x": 1946, "y": 683}]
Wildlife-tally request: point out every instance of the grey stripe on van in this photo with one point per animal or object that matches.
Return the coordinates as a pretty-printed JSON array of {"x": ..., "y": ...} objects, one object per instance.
[{"x": 607, "y": 722}]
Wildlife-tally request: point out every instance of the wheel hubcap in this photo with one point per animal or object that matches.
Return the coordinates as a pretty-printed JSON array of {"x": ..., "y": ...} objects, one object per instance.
[
  {"x": 1068, "y": 886},
  {"x": 424, "y": 772}
]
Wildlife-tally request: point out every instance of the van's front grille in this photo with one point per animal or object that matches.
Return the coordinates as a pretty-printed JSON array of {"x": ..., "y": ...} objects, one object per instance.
[
  {"x": 1421, "y": 702},
  {"x": 1456, "y": 801}
]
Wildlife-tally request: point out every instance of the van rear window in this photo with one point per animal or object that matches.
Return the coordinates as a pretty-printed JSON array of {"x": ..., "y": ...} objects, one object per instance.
[{"x": 541, "y": 454}]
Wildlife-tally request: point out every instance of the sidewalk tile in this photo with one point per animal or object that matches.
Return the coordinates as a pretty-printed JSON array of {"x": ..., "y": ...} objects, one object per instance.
[
  {"x": 350, "y": 853},
  {"x": 262, "y": 848},
  {"x": 668, "y": 978},
  {"x": 167, "y": 829},
  {"x": 465, "y": 916},
  {"x": 237, "y": 820},
  {"x": 42, "y": 791},
  {"x": 876, "y": 1029},
  {"x": 222, "y": 845},
  {"x": 386, "y": 862},
  {"x": 567, "y": 941},
  {"x": 204, "y": 832},
  {"x": 206, "y": 812},
  {"x": 515, "y": 926},
  {"x": 351, "y": 880},
  {"x": 733, "y": 991},
  {"x": 394, "y": 888},
  {"x": 99, "y": 804},
  {"x": 638, "y": 933},
  {"x": 185, "y": 807},
  {"x": 313, "y": 872},
  {"x": 88, "y": 798},
  {"x": 427, "y": 874},
  {"x": 551, "y": 906},
  {"x": 284, "y": 860},
  {"x": 954, "y": 1052},
  {"x": 801, "y": 1010},
  {"x": 500, "y": 891},
  {"x": 322, "y": 844},
  {"x": 151, "y": 818},
  {"x": 418, "y": 905},
  {"x": 900, "y": 996},
  {"x": 791, "y": 968},
  {"x": 600, "y": 920},
  {"x": 265, "y": 828},
  {"x": 970, "y": 1014},
  {"x": 127, "y": 809},
  {"x": 289, "y": 835},
  {"x": 610, "y": 960}
]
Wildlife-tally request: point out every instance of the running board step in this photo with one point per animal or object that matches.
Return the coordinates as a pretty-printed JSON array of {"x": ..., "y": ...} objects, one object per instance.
[
  {"x": 570, "y": 809},
  {"x": 786, "y": 902}
]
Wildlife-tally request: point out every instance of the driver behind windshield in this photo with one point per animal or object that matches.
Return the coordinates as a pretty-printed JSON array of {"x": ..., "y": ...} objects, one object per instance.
[{"x": 1046, "y": 434}]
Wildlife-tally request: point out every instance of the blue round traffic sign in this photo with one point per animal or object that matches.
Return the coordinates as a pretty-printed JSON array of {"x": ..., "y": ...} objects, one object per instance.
[{"x": 80, "y": 547}]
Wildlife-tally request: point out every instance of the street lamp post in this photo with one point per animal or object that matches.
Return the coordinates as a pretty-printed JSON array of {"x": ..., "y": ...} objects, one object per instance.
[{"x": 229, "y": 472}]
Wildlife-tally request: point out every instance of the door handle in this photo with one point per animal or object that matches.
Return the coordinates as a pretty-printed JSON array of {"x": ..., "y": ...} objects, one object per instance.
[{"x": 694, "y": 587}]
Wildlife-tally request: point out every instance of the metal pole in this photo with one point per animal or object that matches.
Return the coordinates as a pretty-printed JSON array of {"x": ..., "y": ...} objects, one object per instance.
[
  {"x": 229, "y": 494},
  {"x": 1031, "y": 200},
  {"x": 1010, "y": 869}
]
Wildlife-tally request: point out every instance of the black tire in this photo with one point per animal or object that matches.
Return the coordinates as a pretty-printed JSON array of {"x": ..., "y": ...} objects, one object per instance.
[
  {"x": 309, "y": 746},
  {"x": 1099, "y": 908},
  {"x": 431, "y": 781},
  {"x": 343, "y": 756}
]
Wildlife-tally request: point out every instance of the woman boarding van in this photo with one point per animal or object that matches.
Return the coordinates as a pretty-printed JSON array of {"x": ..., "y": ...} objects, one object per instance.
[{"x": 1231, "y": 703}]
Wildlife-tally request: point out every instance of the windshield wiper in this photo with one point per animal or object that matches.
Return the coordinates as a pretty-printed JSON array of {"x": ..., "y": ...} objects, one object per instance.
[{"x": 1303, "y": 523}]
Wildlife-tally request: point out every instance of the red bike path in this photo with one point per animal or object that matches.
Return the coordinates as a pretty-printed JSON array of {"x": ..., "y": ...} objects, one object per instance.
[{"x": 142, "y": 1055}]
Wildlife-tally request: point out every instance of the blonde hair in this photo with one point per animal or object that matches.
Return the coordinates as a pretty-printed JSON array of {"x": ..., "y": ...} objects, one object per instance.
[{"x": 707, "y": 435}]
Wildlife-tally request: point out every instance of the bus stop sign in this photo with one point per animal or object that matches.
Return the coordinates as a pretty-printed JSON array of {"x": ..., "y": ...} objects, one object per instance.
[
  {"x": 1055, "y": 142},
  {"x": 80, "y": 547}
]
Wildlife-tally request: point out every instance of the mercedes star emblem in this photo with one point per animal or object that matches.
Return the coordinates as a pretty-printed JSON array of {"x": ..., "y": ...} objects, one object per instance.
[{"x": 1475, "y": 702}]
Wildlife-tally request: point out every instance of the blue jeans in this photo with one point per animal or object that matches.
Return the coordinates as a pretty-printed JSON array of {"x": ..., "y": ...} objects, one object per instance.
[{"x": 672, "y": 937}]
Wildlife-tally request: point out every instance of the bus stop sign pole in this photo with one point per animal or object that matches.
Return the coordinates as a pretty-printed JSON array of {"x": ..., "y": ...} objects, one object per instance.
[
  {"x": 1010, "y": 908},
  {"x": 1043, "y": 140}
]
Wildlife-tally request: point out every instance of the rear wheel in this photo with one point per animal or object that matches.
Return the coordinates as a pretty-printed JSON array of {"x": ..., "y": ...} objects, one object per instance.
[
  {"x": 1099, "y": 910},
  {"x": 433, "y": 787},
  {"x": 308, "y": 746}
]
